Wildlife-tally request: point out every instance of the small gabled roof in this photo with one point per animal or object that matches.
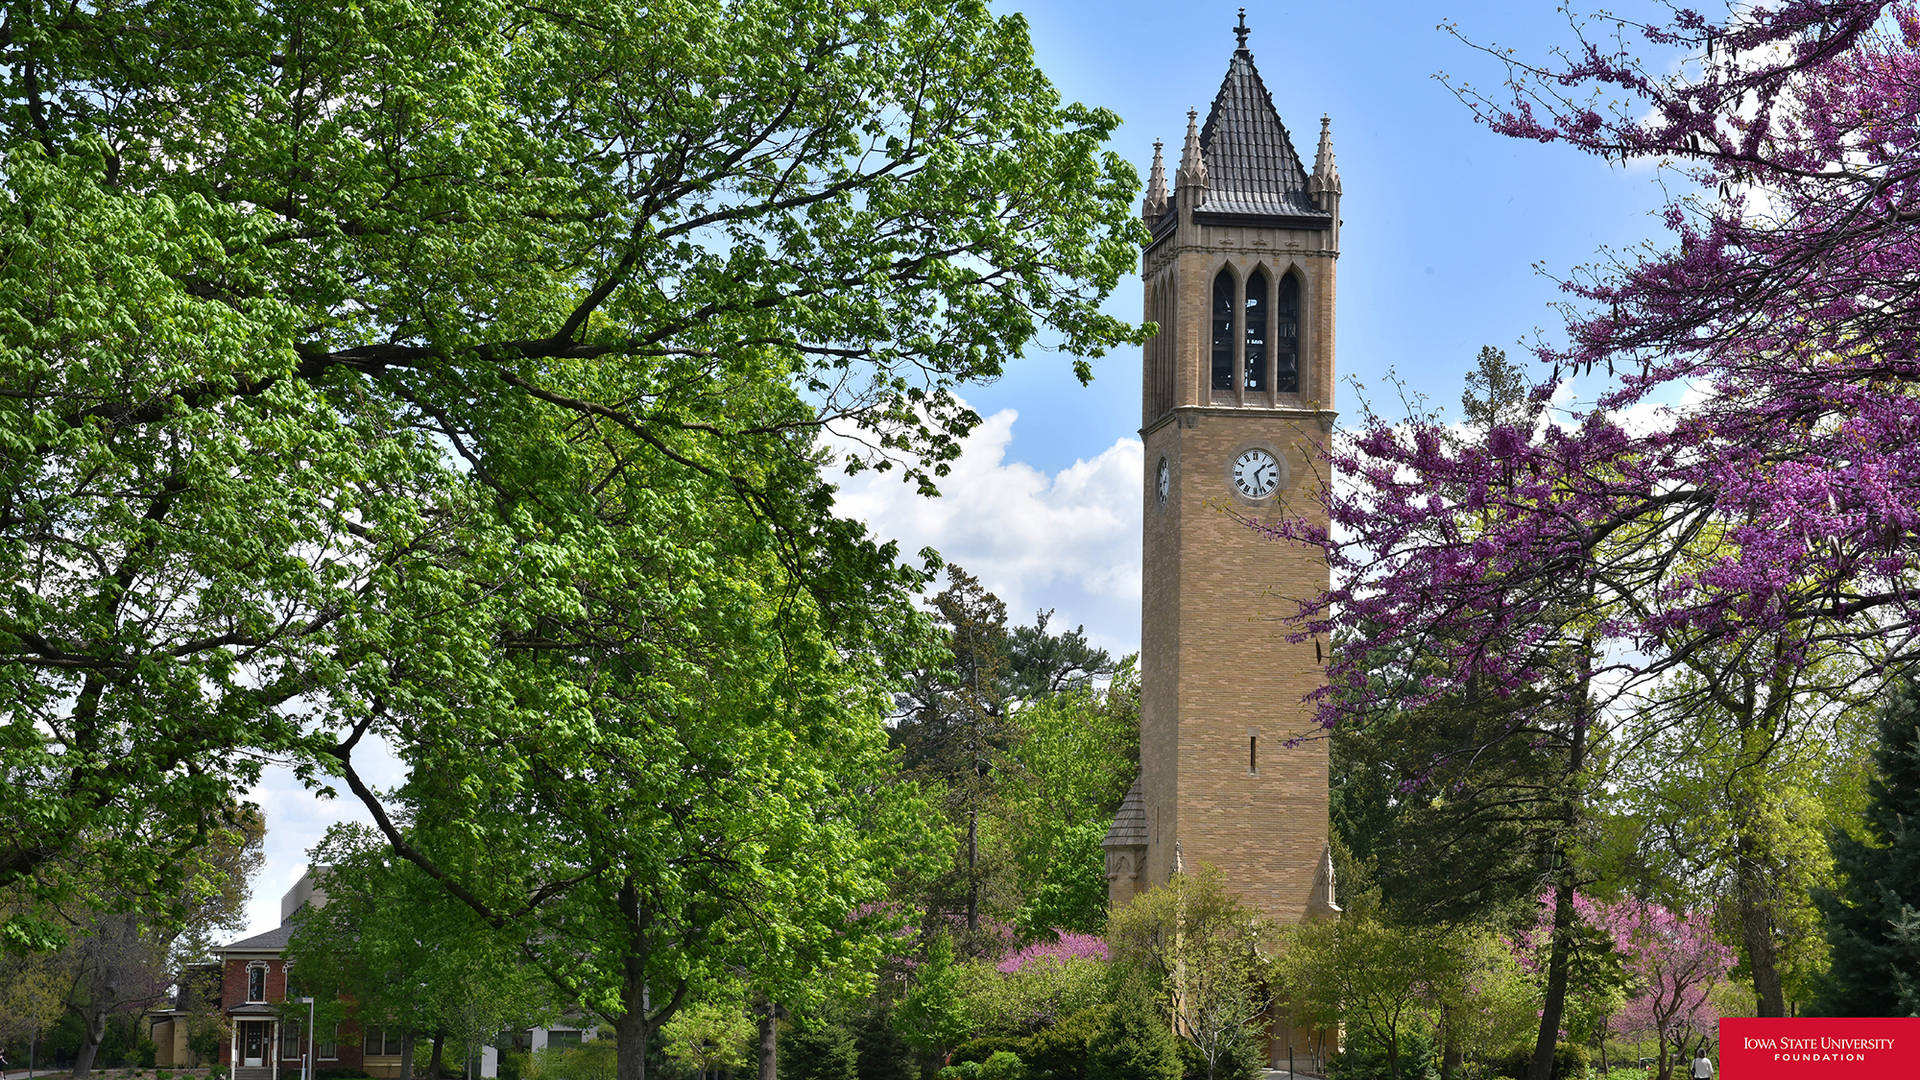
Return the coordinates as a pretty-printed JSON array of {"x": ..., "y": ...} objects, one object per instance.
[
  {"x": 1251, "y": 164},
  {"x": 273, "y": 940},
  {"x": 1129, "y": 822}
]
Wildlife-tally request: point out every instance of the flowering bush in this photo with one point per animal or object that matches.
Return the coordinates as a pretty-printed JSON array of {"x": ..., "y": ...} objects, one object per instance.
[
  {"x": 1035, "y": 986},
  {"x": 1065, "y": 946}
]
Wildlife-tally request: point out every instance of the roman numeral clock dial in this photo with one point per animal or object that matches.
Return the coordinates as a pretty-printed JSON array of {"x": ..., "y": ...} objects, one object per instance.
[{"x": 1255, "y": 473}]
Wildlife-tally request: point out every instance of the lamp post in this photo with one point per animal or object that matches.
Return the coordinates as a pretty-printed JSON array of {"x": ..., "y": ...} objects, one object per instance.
[{"x": 306, "y": 1069}]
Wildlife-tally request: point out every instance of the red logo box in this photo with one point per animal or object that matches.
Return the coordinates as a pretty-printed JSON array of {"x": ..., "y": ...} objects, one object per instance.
[{"x": 1808, "y": 1048}]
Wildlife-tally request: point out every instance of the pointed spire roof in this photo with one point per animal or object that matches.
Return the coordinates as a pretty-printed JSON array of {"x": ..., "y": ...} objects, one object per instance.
[
  {"x": 1326, "y": 175},
  {"x": 1156, "y": 203},
  {"x": 1193, "y": 161},
  {"x": 1252, "y": 167},
  {"x": 1322, "y": 903}
]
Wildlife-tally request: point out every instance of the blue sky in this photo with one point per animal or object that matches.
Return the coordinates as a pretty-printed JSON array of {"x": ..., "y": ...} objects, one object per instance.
[
  {"x": 1444, "y": 221},
  {"x": 1446, "y": 230},
  {"x": 1444, "y": 224}
]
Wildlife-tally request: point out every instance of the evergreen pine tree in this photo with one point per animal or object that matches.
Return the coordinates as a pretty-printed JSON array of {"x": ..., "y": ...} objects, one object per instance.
[{"x": 1873, "y": 914}]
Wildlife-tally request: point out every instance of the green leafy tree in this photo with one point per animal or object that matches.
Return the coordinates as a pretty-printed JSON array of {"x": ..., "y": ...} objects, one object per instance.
[
  {"x": 710, "y": 1036},
  {"x": 33, "y": 993},
  {"x": 1134, "y": 1044},
  {"x": 318, "y": 323},
  {"x": 122, "y": 951},
  {"x": 955, "y": 731},
  {"x": 1043, "y": 663},
  {"x": 1078, "y": 751},
  {"x": 1199, "y": 948},
  {"x": 406, "y": 955},
  {"x": 1498, "y": 393},
  {"x": 1383, "y": 982},
  {"x": 1873, "y": 913},
  {"x": 933, "y": 1017},
  {"x": 819, "y": 1050},
  {"x": 1734, "y": 805}
]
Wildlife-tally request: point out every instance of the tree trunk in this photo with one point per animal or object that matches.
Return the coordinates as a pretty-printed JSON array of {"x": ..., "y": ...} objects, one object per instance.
[
  {"x": 630, "y": 1034},
  {"x": 95, "y": 1025},
  {"x": 1555, "y": 1005},
  {"x": 1541, "y": 1067},
  {"x": 1756, "y": 928},
  {"x": 973, "y": 874},
  {"x": 434, "y": 1062},
  {"x": 769, "y": 1040},
  {"x": 1452, "y": 1054},
  {"x": 406, "y": 1054}
]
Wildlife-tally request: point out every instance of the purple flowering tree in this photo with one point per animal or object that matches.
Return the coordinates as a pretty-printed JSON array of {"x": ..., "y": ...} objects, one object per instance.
[
  {"x": 1745, "y": 480},
  {"x": 1672, "y": 963},
  {"x": 1785, "y": 495}
]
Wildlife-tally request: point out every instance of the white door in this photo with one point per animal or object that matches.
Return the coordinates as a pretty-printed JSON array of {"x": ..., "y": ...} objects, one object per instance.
[{"x": 253, "y": 1039}]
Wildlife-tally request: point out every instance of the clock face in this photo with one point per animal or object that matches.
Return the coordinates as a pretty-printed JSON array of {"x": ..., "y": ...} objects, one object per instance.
[
  {"x": 1255, "y": 473},
  {"x": 1163, "y": 481}
]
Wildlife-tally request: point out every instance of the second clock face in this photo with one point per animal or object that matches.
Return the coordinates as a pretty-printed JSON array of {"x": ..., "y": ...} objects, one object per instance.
[{"x": 1255, "y": 473}]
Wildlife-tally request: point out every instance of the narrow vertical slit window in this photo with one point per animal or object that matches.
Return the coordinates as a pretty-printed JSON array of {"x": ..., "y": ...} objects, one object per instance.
[
  {"x": 1286, "y": 337},
  {"x": 1256, "y": 371},
  {"x": 1253, "y": 754},
  {"x": 1223, "y": 331}
]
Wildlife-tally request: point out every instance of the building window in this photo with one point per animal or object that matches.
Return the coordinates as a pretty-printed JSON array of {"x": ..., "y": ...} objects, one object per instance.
[
  {"x": 1253, "y": 754},
  {"x": 257, "y": 982},
  {"x": 327, "y": 1046},
  {"x": 563, "y": 1038},
  {"x": 381, "y": 1041},
  {"x": 1286, "y": 337},
  {"x": 1223, "y": 330},
  {"x": 1256, "y": 366},
  {"x": 290, "y": 1046}
]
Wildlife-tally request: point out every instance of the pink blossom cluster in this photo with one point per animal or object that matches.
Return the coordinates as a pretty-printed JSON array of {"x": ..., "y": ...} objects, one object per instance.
[
  {"x": 1064, "y": 947},
  {"x": 1672, "y": 962}
]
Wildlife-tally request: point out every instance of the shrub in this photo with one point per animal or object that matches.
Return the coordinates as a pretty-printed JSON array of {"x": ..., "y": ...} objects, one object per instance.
[
  {"x": 1003, "y": 1065},
  {"x": 884, "y": 1055},
  {"x": 975, "y": 1051},
  {"x": 819, "y": 1051},
  {"x": 1364, "y": 1057},
  {"x": 217, "y": 1072},
  {"x": 1134, "y": 1044},
  {"x": 1247, "y": 1060},
  {"x": 340, "y": 1072},
  {"x": 1570, "y": 1062},
  {"x": 1032, "y": 990},
  {"x": 592, "y": 1060},
  {"x": 1060, "y": 1052},
  {"x": 163, "y": 1074}
]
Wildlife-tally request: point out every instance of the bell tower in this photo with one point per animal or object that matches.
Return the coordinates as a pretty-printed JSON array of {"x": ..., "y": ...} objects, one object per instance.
[{"x": 1237, "y": 401}]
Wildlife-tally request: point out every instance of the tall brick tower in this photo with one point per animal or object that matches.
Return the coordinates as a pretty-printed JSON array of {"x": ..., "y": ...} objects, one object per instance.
[{"x": 1237, "y": 398}]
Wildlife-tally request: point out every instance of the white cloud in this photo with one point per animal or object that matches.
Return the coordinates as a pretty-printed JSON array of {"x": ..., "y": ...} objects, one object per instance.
[{"x": 1069, "y": 541}]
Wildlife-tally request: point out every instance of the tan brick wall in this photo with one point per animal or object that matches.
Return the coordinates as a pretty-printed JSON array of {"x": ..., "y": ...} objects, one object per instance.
[{"x": 1215, "y": 660}]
